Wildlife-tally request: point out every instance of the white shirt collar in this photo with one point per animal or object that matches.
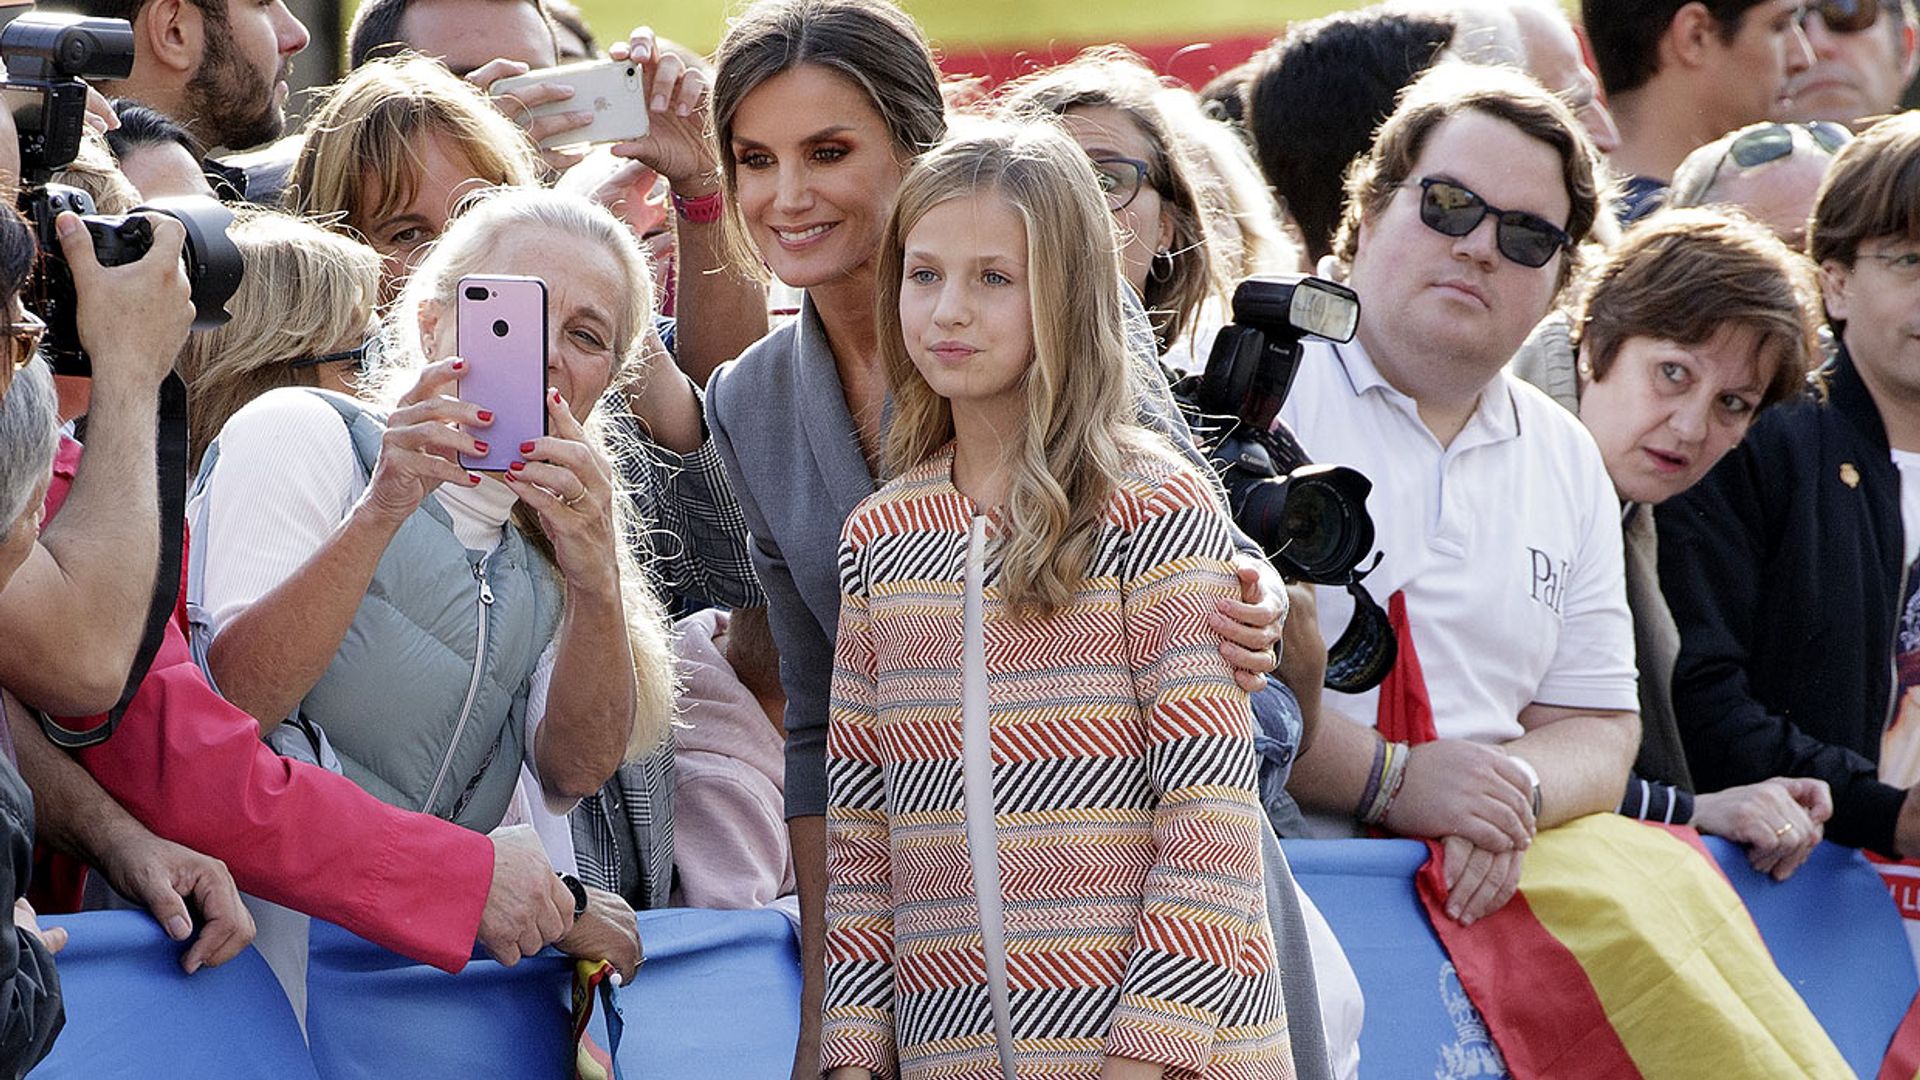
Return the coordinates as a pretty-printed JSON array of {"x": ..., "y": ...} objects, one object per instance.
[{"x": 1495, "y": 418}]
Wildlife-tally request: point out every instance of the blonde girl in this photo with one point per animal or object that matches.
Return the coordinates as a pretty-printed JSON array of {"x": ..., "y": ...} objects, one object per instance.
[{"x": 1040, "y": 769}]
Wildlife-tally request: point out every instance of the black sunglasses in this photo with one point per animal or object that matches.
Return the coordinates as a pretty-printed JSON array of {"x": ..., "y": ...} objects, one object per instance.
[
  {"x": 357, "y": 354},
  {"x": 1775, "y": 141},
  {"x": 1453, "y": 210},
  {"x": 1842, "y": 16}
]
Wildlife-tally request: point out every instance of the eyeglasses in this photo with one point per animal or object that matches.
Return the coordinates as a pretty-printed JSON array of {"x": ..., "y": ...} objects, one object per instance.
[
  {"x": 1843, "y": 16},
  {"x": 1120, "y": 180},
  {"x": 23, "y": 340},
  {"x": 1452, "y": 210},
  {"x": 1775, "y": 141},
  {"x": 357, "y": 354}
]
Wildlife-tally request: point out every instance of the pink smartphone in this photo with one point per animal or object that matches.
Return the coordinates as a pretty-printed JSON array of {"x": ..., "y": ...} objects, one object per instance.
[{"x": 500, "y": 327}]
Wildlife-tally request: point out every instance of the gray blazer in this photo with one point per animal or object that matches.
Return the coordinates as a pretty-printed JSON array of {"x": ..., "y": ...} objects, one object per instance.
[{"x": 779, "y": 418}]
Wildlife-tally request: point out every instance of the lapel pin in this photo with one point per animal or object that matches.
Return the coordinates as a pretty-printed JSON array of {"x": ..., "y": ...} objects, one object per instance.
[{"x": 1849, "y": 475}]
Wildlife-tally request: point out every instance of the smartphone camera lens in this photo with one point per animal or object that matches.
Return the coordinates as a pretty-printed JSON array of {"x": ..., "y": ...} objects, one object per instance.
[
  {"x": 476, "y": 292},
  {"x": 499, "y": 328}
]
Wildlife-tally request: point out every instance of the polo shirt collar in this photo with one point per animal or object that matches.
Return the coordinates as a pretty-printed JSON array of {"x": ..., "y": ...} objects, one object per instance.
[{"x": 1495, "y": 419}]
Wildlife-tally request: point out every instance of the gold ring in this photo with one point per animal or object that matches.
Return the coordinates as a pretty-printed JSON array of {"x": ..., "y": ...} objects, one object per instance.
[
  {"x": 1783, "y": 830},
  {"x": 575, "y": 501}
]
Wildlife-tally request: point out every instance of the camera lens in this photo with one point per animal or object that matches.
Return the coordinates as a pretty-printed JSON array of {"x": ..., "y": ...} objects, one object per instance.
[
  {"x": 1316, "y": 526},
  {"x": 499, "y": 328},
  {"x": 475, "y": 292}
]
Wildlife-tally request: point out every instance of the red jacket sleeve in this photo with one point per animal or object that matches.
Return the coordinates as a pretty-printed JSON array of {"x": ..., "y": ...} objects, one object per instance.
[{"x": 191, "y": 767}]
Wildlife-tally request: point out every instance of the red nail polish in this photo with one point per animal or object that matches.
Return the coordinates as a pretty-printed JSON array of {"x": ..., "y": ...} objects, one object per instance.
[
  {"x": 517, "y": 466},
  {"x": 555, "y": 395},
  {"x": 473, "y": 478},
  {"x": 486, "y": 416},
  {"x": 479, "y": 447},
  {"x": 459, "y": 365},
  {"x": 526, "y": 448}
]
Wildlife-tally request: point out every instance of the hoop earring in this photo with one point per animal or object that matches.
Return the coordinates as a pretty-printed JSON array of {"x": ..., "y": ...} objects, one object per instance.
[{"x": 1160, "y": 268}]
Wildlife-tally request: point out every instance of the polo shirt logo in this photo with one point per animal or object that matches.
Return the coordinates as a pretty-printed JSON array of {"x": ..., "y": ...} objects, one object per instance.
[{"x": 1549, "y": 580}]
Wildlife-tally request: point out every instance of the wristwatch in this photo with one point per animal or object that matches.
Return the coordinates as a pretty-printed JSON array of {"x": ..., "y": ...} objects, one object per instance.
[
  {"x": 579, "y": 891},
  {"x": 1533, "y": 778}
]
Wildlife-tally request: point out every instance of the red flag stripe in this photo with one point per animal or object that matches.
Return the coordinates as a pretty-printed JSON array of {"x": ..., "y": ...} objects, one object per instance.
[{"x": 1539, "y": 1004}]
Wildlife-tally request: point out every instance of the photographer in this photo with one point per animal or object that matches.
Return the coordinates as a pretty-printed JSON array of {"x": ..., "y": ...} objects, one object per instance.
[{"x": 69, "y": 612}]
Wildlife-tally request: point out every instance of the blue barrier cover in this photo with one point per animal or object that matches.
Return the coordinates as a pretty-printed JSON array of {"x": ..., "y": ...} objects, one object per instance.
[
  {"x": 719, "y": 994},
  {"x": 718, "y": 997},
  {"x": 132, "y": 1013}
]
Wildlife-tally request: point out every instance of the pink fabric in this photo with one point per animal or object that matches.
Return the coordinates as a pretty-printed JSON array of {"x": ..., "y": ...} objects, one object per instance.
[
  {"x": 730, "y": 845},
  {"x": 191, "y": 767}
]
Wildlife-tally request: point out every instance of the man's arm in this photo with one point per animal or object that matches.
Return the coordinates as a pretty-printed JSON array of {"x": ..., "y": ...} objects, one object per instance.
[
  {"x": 78, "y": 817},
  {"x": 1582, "y": 756},
  {"x": 73, "y": 609}
]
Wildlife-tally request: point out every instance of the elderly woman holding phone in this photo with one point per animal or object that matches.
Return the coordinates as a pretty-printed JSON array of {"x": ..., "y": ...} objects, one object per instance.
[{"x": 434, "y": 627}]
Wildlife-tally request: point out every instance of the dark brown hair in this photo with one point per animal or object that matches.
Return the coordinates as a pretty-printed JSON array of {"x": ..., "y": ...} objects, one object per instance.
[
  {"x": 1871, "y": 190},
  {"x": 1111, "y": 76},
  {"x": 1685, "y": 275},
  {"x": 870, "y": 43},
  {"x": 1446, "y": 92}
]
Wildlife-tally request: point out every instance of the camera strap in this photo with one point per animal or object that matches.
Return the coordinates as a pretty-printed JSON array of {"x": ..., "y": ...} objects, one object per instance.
[{"x": 170, "y": 459}]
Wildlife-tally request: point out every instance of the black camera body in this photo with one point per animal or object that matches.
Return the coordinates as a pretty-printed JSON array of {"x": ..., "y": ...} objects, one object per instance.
[
  {"x": 47, "y": 57},
  {"x": 1311, "y": 519}
]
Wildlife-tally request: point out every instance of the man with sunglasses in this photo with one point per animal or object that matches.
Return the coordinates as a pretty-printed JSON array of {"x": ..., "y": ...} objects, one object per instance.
[
  {"x": 1497, "y": 527},
  {"x": 1864, "y": 59},
  {"x": 1772, "y": 171},
  {"x": 1680, "y": 73},
  {"x": 1793, "y": 568}
]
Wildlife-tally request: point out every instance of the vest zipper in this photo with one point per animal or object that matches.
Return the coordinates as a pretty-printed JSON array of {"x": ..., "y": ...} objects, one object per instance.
[{"x": 473, "y": 686}]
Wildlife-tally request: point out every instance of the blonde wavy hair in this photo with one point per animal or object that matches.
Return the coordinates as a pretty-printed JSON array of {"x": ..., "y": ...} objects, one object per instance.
[
  {"x": 370, "y": 126},
  {"x": 307, "y": 292},
  {"x": 573, "y": 222},
  {"x": 1083, "y": 385}
]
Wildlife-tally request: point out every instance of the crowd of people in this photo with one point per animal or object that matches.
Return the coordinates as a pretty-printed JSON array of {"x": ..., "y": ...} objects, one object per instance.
[{"x": 868, "y": 569}]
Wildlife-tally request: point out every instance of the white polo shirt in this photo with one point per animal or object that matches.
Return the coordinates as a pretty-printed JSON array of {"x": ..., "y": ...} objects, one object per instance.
[{"x": 1507, "y": 544}]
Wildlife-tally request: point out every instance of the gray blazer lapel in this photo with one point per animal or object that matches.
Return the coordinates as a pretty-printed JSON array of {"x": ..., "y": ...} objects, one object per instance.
[{"x": 829, "y": 424}]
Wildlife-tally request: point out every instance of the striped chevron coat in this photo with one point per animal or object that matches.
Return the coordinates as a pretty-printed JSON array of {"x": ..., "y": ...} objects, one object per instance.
[{"x": 1123, "y": 791}]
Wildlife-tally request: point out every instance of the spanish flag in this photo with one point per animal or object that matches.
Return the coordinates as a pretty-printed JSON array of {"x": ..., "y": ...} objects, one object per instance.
[{"x": 1625, "y": 953}]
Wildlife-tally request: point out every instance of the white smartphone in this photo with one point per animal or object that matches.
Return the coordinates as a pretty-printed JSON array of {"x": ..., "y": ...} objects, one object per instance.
[{"x": 613, "y": 90}]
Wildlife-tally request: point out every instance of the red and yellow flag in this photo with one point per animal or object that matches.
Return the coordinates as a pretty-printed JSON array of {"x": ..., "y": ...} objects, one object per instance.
[{"x": 1627, "y": 954}]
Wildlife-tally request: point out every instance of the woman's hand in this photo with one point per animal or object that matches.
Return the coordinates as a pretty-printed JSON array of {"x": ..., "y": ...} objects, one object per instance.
[
  {"x": 1250, "y": 627},
  {"x": 1780, "y": 820},
  {"x": 419, "y": 451},
  {"x": 570, "y": 485},
  {"x": 676, "y": 144},
  {"x": 519, "y": 109}
]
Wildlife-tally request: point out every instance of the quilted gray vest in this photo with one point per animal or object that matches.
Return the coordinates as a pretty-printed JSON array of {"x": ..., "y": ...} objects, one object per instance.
[{"x": 425, "y": 702}]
